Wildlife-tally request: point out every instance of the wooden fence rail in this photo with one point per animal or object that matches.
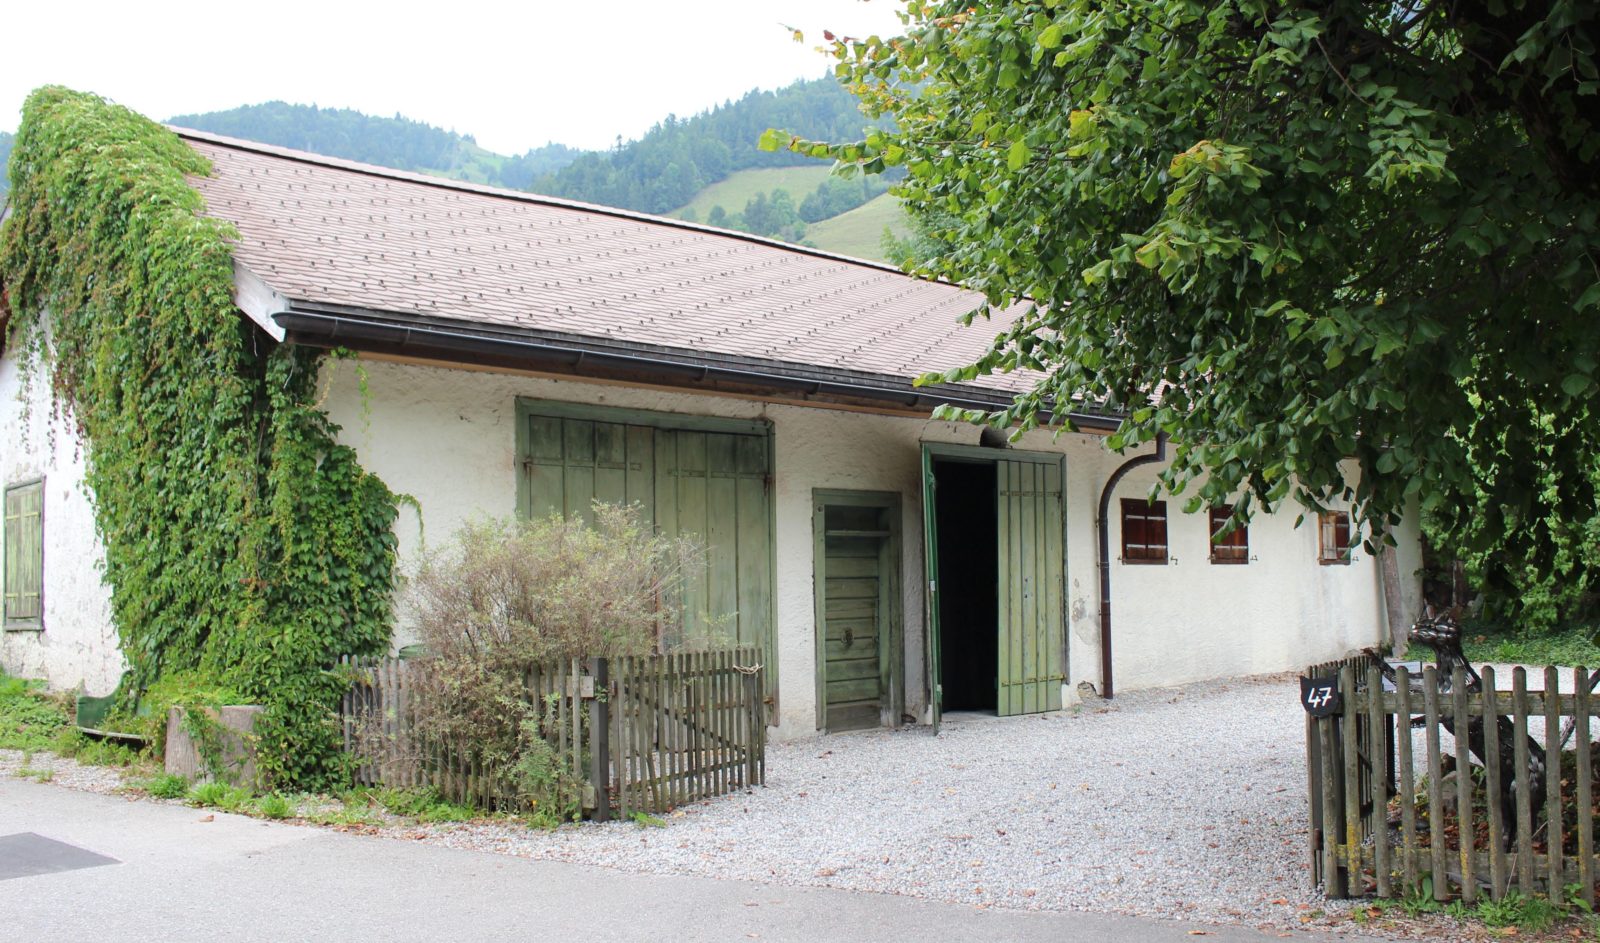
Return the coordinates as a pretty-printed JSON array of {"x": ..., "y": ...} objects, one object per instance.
[
  {"x": 642, "y": 733},
  {"x": 1479, "y": 792}
]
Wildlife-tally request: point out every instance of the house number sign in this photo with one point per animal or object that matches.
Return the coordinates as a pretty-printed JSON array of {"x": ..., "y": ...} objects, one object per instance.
[{"x": 1320, "y": 696}]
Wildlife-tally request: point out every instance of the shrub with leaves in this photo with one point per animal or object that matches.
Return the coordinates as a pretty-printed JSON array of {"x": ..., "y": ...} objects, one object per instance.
[{"x": 509, "y": 595}]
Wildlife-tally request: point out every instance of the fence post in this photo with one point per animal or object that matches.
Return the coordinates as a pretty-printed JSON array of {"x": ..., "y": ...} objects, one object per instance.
[
  {"x": 600, "y": 739},
  {"x": 752, "y": 697}
]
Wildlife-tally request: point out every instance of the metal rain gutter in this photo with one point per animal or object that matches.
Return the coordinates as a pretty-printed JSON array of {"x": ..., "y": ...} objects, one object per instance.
[
  {"x": 1104, "y": 528},
  {"x": 373, "y": 330}
]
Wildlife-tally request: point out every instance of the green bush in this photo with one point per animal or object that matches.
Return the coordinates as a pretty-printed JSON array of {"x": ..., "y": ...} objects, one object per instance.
[
  {"x": 166, "y": 786},
  {"x": 30, "y": 718},
  {"x": 512, "y": 594},
  {"x": 220, "y": 796},
  {"x": 274, "y": 806}
]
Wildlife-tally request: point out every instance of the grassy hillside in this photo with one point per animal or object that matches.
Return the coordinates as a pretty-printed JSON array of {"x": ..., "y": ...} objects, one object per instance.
[
  {"x": 737, "y": 189},
  {"x": 859, "y": 232}
]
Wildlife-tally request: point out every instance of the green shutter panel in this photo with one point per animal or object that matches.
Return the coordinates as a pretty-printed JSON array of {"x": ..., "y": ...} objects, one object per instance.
[
  {"x": 714, "y": 489},
  {"x": 1031, "y": 591},
  {"x": 24, "y": 554},
  {"x": 571, "y": 463}
]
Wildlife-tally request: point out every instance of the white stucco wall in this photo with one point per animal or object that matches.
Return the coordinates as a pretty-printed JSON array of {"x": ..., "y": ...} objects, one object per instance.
[
  {"x": 77, "y": 647},
  {"x": 447, "y": 437}
]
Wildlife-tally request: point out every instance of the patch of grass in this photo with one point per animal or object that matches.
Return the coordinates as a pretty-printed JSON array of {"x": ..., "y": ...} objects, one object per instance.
[
  {"x": 166, "y": 786},
  {"x": 220, "y": 796},
  {"x": 737, "y": 189},
  {"x": 859, "y": 232},
  {"x": 1575, "y": 645},
  {"x": 274, "y": 806},
  {"x": 422, "y": 803},
  {"x": 646, "y": 820},
  {"x": 344, "y": 815},
  {"x": 38, "y": 775},
  {"x": 30, "y": 717},
  {"x": 70, "y": 742}
]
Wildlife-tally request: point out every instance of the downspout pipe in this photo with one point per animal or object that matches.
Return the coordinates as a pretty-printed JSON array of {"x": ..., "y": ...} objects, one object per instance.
[{"x": 1107, "y": 689}]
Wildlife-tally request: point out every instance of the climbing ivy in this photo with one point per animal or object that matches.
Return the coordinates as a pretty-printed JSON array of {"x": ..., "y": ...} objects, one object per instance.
[{"x": 243, "y": 544}]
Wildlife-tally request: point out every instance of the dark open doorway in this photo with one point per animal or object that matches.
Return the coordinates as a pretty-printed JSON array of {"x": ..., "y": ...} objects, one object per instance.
[{"x": 968, "y": 557}]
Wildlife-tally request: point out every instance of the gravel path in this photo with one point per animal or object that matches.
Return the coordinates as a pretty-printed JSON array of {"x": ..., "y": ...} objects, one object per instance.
[{"x": 1175, "y": 803}]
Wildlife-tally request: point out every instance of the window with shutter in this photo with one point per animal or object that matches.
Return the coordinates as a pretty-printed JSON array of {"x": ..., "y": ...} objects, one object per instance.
[
  {"x": 24, "y": 556},
  {"x": 1144, "y": 531},
  {"x": 1333, "y": 537},
  {"x": 1229, "y": 548}
]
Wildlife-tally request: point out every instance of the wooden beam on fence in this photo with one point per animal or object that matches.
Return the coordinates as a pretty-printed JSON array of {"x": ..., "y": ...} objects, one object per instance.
[
  {"x": 1554, "y": 835},
  {"x": 1378, "y": 739},
  {"x": 1461, "y": 720},
  {"x": 1408, "y": 777},
  {"x": 1498, "y": 880},
  {"x": 1350, "y": 720},
  {"x": 1522, "y": 764},
  {"x": 1585, "y": 789},
  {"x": 1436, "y": 846},
  {"x": 600, "y": 739}
]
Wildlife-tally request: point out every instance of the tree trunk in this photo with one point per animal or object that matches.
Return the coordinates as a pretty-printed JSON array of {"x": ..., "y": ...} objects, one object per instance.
[{"x": 1389, "y": 571}]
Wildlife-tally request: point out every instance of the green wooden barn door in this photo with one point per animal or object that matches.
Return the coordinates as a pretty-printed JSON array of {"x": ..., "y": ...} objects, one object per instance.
[
  {"x": 1031, "y": 585},
  {"x": 715, "y": 487},
  {"x": 712, "y": 486}
]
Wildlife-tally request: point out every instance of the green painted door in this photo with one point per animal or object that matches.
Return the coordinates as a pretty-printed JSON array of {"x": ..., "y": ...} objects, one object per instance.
[
  {"x": 930, "y": 556},
  {"x": 855, "y": 607},
  {"x": 1032, "y": 576}
]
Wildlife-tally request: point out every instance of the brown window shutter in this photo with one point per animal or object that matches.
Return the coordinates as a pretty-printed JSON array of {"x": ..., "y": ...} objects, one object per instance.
[{"x": 1233, "y": 548}]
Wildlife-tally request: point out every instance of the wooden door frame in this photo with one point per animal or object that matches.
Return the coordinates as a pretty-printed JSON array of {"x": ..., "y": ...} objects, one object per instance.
[
  {"x": 891, "y": 632},
  {"x": 979, "y": 454}
]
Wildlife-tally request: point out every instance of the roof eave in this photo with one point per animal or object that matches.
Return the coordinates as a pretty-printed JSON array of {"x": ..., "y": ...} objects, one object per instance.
[{"x": 323, "y": 325}]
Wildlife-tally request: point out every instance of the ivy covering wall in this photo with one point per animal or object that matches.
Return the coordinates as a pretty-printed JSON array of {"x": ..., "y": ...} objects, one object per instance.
[{"x": 245, "y": 549}]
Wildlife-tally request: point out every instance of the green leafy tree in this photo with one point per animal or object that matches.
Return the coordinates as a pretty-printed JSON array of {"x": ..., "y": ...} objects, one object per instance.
[{"x": 1336, "y": 250}]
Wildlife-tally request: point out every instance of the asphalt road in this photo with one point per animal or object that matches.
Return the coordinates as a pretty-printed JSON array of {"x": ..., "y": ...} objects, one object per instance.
[{"x": 178, "y": 877}]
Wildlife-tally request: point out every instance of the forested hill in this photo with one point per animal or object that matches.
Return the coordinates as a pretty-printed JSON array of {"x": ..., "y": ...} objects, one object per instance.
[
  {"x": 396, "y": 142},
  {"x": 663, "y": 170},
  {"x": 5, "y": 155}
]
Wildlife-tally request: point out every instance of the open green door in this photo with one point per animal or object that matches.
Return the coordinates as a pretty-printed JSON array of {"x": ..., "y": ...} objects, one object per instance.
[
  {"x": 930, "y": 555},
  {"x": 1032, "y": 576}
]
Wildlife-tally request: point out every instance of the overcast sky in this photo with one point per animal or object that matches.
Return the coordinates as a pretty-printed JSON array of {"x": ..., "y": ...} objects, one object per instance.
[{"x": 516, "y": 76}]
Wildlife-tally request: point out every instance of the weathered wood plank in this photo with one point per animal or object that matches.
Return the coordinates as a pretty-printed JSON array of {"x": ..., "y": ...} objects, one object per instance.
[
  {"x": 1408, "y": 781},
  {"x": 1584, "y": 788},
  {"x": 1378, "y": 740},
  {"x": 1522, "y": 761},
  {"x": 1460, "y": 719},
  {"x": 1436, "y": 840},
  {"x": 1497, "y": 825},
  {"x": 1555, "y": 879}
]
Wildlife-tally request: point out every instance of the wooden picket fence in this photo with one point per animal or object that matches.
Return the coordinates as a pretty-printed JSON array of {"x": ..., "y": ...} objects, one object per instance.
[
  {"x": 1388, "y": 816},
  {"x": 644, "y": 734}
]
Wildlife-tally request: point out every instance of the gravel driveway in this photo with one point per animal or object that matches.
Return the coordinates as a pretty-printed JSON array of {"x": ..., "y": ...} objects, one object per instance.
[{"x": 1182, "y": 802}]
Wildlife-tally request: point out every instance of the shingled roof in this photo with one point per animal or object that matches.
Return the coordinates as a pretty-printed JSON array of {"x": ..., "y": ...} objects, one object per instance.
[{"x": 353, "y": 250}]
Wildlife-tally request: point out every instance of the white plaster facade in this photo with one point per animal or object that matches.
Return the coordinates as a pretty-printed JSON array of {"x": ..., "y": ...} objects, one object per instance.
[
  {"x": 77, "y": 646},
  {"x": 447, "y": 437}
]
